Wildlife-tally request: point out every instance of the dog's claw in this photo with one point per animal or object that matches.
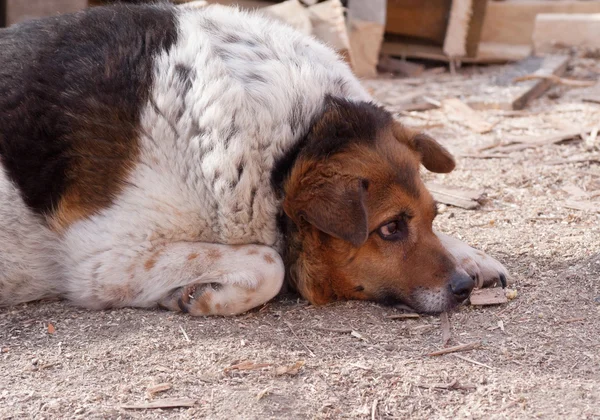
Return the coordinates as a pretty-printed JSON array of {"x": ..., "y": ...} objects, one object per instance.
[{"x": 503, "y": 280}]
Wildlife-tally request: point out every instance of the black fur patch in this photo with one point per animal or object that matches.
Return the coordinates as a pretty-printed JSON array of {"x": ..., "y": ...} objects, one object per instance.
[
  {"x": 341, "y": 124},
  {"x": 185, "y": 75},
  {"x": 71, "y": 89}
]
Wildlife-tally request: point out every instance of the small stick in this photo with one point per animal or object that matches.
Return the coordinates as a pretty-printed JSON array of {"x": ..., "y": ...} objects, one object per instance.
[
  {"x": 475, "y": 362},
  {"x": 404, "y": 316},
  {"x": 461, "y": 347},
  {"x": 164, "y": 403},
  {"x": 374, "y": 409},
  {"x": 569, "y": 320},
  {"x": 185, "y": 334},
  {"x": 335, "y": 330},
  {"x": 310, "y": 352},
  {"x": 446, "y": 335},
  {"x": 555, "y": 79}
]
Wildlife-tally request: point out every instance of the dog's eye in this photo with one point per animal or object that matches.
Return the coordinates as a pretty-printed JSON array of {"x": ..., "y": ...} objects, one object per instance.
[{"x": 394, "y": 231}]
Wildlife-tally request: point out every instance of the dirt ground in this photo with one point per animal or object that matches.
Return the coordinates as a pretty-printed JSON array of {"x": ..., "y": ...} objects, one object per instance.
[{"x": 539, "y": 354}]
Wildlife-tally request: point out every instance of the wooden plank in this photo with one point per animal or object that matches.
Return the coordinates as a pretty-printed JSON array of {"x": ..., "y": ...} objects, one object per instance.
[
  {"x": 488, "y": 52},
  {"x": 566, "y": 30},
  {"x": 513, "y": 21},
  {"x": 419, "y": 19},
  {"x": 478, "y": 11},
  {"x": 551, "y": 65}
]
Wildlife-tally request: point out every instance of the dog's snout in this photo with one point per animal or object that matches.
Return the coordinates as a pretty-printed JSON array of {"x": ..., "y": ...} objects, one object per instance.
[{"x": 461, "y": 285}]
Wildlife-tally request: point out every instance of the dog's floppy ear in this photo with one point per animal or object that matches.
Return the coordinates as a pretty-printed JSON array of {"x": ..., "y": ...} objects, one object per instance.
[
  {"x": 333, "y": 204},
  {"x": 433, "y": 155}
]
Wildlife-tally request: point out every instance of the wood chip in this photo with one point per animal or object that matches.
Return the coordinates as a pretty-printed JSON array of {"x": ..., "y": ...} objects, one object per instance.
[
  {"x": 374, "y": 409},
  {"x": 461, "y": 347},
  {"x": 163, "y": 403},
  {"x": 187, "y": 338},
  {"x": 290, "y": 369},
  {"x": 461, "y": 113},
  {"x": 246, "y": 365},
  {"x": 158, "y": 389},
  {"x": 263, "y": 393},
  {"x": 523, "y": 143},
  {"x": 475, "y": 362},
  {"x": 404, "y": 316},
  {"x": 588, "y": 206},
  {"x": 51, "y": 329},
  {"x": 359, "y": 336},
  {"x": 459, "y": 197},
  {"x": 445, "y": 324},
  {"x": 483, "y": 297},
  {"x": 569, "y": 320},
  {"x": 453, "y": 385}
]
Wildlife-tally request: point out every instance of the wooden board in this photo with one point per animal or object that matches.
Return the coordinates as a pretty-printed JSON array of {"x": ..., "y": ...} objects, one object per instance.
[
  {"x": 419, "y": 19},
  {"x": 488, "y": 52},
  {"x": 511, "y": 95},
  {"x": 566, "y": 30},
  {"x": 513, "y": 21}
]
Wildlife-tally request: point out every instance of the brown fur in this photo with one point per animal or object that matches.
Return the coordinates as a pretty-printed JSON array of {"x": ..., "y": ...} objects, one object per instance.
[{"x": 357, "y": 190}]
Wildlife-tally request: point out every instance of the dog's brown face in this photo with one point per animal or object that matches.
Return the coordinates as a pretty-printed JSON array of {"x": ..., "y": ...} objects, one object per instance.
[{"x": 364, "y": 217}]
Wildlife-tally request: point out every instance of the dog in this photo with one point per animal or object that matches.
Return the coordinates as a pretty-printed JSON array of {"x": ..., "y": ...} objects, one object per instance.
[{"x": 194, "y": 159}]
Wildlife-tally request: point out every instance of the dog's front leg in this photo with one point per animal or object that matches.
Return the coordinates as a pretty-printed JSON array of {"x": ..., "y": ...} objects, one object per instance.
[
  {"x": 231, "y": 280},
  {"x": 486, "y": 270},
  {"x": 193, "y": 277}
]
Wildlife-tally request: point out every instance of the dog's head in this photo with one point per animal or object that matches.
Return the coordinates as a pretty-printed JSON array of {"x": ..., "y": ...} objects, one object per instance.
[{"x": 361, "y": 217}]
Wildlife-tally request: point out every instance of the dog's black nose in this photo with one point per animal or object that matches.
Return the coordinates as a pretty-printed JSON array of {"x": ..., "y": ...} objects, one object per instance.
[{"x": 461, "y": 285}]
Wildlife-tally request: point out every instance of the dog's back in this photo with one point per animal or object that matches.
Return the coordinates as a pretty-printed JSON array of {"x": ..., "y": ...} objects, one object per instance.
[{"x": 128, "y": 127}]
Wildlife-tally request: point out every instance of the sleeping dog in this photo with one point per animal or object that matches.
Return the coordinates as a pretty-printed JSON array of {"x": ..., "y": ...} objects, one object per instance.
[{"x": 195, "y": 159}]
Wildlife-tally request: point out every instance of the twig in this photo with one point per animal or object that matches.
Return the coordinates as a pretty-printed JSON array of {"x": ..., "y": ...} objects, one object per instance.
[
  {"x": 335, "y": 330},
  {"x": 158, "y": 388},
  {"x": 485, "y": 156},
  {"x": 568, "y": 321},
  {"x": 164, "y": 403},
  {"x": 374, "y": 409},
  {"x": 310, "y": 352},
  {"x": 475, "y": 362},
  {"x": 452, "y": 385},
  {"x": 185, "y": 334},
  {"x": 461, "y": 347},
  {"x": 445, "y": 322},
  {"x": 556, "y": 79},
  {"x": 404, "y": 316}
]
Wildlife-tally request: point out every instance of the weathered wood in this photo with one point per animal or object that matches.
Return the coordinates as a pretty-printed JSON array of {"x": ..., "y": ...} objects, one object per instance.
[
  {"x": 366, "y": 26},
  {"x": 513, "y": 21},
  {"x": 566, "y": 30},
  {"x": 459, "y": 112},
  {"x": 459, "y": 197},
  {"x": 511, "y": 95},
  {"x": 487, "y": 53},
  {"x": 484, "y": 297},
  {"x": 425, "y": 20}
]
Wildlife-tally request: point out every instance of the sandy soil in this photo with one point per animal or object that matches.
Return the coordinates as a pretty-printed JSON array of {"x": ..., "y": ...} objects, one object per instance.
[{"x": 543, "y": 362}]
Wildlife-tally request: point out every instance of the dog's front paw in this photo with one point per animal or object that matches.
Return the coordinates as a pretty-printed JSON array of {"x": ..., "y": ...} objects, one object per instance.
[
  {"x": 195, "y": 299},
  {"x": 486, "y": 270}
]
